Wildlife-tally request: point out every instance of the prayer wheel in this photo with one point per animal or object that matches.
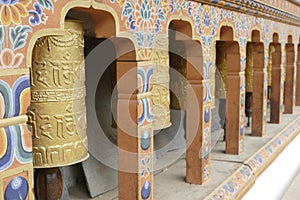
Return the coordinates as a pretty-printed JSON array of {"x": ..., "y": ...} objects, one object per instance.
[
  {"x": 221, "y": 72},
  {"x": 249, "y": 82},
  {"x": 57, "y": 112},
  {"x": 160, "y": 93},
  {"x": 269, "y": 69},
  {"x": 220, "y": 82},
  {"x": 178, "y": 64}
]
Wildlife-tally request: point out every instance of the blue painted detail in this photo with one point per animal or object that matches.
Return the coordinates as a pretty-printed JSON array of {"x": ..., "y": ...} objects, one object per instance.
[
  {"x": 146, "y": 190},
  {"x": 145, "y": 140},
  {"x": 16, "y": 189},
  {"x": 206, "y": 115}
]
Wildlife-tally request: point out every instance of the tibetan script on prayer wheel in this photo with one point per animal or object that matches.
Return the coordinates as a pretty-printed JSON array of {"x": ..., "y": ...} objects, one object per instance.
[{"x": 58, "y": 112}]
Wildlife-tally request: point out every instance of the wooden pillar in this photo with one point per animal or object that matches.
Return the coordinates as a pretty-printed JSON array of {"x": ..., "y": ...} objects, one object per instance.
[
  {"x": 277, "y": 85},
  {"x": 134, "y": 144},
  {"x": 298, "y": 77},
  {"x": 196, "y": 159},
  {"x": 260, "y": 86},
  {"x": 234, "y": 125},
  {"x": 289, "y": 79},
  {"x": 48, "y": 184}
]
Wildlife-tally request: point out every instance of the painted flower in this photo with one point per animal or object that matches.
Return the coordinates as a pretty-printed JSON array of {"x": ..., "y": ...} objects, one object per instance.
[
  {"x": 8, "y": 59},
  {"x": 145, "y": 17},
  {"x": 146, "y": 166},
  {"x": 12, "y": 10}
]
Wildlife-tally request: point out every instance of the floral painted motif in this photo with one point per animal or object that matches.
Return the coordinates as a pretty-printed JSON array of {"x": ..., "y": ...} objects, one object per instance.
[
  {"x": 146, "y": 166},
  {"x": 242, "y": 27},
  {"x": 38, "y": 16},
  {"x": 12, "y": 11},
  {"x": 144, "y": 15},
  {"x": 8, "y": 59}
]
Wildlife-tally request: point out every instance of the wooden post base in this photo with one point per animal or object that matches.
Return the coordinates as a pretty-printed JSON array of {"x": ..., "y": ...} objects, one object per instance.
[{"x": 48, "y": 184}]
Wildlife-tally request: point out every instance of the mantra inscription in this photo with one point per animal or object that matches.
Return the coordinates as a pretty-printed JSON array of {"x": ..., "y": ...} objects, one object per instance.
[
  {"x": 57, "y": 112},
  {"x": 221, "y": 72},
  {"x": 160, "y": 91}
]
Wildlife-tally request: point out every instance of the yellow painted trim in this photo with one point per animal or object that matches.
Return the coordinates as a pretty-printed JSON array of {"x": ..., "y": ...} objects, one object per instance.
[
  {"x": 14, "y": 71},
  {"x": 68, "y": 7}
]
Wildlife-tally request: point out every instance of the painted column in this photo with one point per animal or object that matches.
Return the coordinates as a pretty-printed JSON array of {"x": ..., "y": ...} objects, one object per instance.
[
  {"x": 289, "y": 86},
  {"x": 234, "y": 103},
  {"x": 135, "y": 141},
  {"x": 276, "y": 85},
  {"x": 259, "y": 104},
  {"x": 197, "y": 154},
  {"x": 298, "y": 77}
]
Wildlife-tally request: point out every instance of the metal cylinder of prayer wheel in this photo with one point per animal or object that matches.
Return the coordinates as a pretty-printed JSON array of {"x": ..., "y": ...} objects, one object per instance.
[
  {"x": 221, "y": 71},
  {"x": 178, "y": 64},
  {"x": 160, "y": 92},
  {"x": 269, "y": 70},
  {"x": 249, "y": 82},
  {"x": 57, "y": 113}
]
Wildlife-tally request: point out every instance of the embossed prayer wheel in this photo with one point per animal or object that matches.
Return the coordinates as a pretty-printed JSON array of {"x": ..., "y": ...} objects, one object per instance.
[
  {"x": 57, "y": 112},
  {"x": 249, "y": 82},
  {"x": 178, "y": 76},
  {"x": 160, "y": 92},
  {"x": 221, "y": 71},
  {"x": 220, "y": 82},
  {"x": 269, "y": 69}
]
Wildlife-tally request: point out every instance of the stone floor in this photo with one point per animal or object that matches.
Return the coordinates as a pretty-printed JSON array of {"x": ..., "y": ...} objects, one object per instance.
[{"x": 169, "y": 181}]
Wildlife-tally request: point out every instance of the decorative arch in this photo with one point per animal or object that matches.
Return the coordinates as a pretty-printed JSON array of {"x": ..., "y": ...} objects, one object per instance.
[
  {"x": 258, "y": 33},
  {"x": 276, "y": 100},
  {"x": 230, "y": 89},
  {"x": 189, "y": 50},
  {"x": 84, "y": 6},
  {"x": 127, "y": 69},
  {"x": 256, "y": 93}
]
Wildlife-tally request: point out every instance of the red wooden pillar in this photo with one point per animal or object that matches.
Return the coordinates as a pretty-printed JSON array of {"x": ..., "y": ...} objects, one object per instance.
[
  {"x": 127, "y": 130},
  {"x": 289, "y": 79},
  {"x": 194, "y": 154},
  {"x": 298, "y": 78},
  {"x": 135, "y": 143},
  {"x": 260, "y": 86},
  {"x": 234, "y": 124},
  {"x": 197, "y": 159},
  {"x": 277, "y": 85}
]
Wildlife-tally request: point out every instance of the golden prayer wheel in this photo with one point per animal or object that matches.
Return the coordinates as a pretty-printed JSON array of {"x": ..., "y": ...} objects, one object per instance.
[
  {"x": 57, "y": 113},
  {"x": 249, "y": 68},
  {"x": 269, "y": 69},
  {"x": 221, "y": 72},
  {"x": 160, "y": 92},
  {"x": 178, "y": 80}
]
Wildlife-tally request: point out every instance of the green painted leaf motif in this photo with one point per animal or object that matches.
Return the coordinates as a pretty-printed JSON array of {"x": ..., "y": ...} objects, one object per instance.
[
  {"x": 197, "y": 20},
  {"x": 139, "y": 38},
  {"x": 156, "y": 2},
  {"x": 19, "y": 35},
  {"x": 161, "y": 15},
  {"x": 46, "y": 4},
  {"x": 150, "y": 39},
  {"x": 127, "y": 10}
]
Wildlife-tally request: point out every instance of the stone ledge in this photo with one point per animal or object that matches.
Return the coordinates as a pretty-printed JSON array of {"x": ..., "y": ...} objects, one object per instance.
[{"x": 235, "y": 186}]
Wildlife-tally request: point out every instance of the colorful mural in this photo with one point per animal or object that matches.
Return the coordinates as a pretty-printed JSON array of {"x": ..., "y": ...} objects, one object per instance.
[
  {"x": 15, "y": 149},
  {"x": 144, "y": 20}
]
